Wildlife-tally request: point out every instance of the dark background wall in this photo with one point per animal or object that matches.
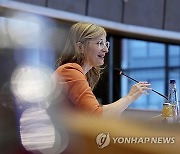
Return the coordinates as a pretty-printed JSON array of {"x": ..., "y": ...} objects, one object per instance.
[{"x": 160, "y": 14}]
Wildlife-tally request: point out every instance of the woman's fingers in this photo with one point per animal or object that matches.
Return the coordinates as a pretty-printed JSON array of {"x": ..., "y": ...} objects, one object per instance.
[
  {"x": 138, "y": 89},
  {"x": 143, "y": 87}
]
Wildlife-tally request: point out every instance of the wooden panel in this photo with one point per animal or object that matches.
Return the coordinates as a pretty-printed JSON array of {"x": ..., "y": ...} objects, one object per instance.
[
  {"x": 106, "y": 9},
  {"x": 172, "y": 18},
  {"x": 36, "y": 2},
  {"x": 75, "y": 6},
  {"x": 147, "y": 13}
]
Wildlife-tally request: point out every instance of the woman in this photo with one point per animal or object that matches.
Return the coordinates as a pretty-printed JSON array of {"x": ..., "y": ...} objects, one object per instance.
[{"x": 79, "y": 67}]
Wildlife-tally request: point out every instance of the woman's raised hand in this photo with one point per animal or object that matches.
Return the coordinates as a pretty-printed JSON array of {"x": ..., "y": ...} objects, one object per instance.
[{"x": 138, "y": 89}]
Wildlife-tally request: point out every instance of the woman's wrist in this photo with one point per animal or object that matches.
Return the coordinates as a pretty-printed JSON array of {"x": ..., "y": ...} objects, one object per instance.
[{"x": 129, "y": 99}]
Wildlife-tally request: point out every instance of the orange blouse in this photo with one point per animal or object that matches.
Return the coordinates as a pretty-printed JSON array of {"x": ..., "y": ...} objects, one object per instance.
[{"x": 77, "y": 91}]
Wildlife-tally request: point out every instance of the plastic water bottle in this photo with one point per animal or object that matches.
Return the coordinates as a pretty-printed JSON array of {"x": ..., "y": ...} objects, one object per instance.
[{"x": 173, "y": 98}]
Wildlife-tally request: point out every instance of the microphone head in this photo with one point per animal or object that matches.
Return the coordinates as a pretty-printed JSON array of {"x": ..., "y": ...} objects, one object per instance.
[{"x": 117, "y": 71}]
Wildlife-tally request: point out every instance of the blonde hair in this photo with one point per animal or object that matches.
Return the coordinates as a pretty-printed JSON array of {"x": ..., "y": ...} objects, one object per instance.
[{"x": 81, "y": 32}]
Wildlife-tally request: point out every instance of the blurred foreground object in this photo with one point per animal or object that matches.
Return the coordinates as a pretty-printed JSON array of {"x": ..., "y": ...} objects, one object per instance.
[{"x": 105, "y": 136}]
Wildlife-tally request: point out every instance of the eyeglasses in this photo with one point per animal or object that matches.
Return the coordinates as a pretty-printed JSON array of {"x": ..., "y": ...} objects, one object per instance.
[{"x": 102, "y": 44}]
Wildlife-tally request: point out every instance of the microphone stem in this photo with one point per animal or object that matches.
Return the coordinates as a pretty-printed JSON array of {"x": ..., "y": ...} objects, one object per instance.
[{"x": 138, "y": 82}]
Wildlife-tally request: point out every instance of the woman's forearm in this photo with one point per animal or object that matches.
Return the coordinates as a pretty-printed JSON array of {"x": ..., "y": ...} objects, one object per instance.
[
  {"x": 116, "y": 108},
  {"x": 120, "y": 105}
]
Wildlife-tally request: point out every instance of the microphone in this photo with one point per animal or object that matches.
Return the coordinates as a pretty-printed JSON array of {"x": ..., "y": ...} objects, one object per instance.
[{"x": 121, "y": 73}]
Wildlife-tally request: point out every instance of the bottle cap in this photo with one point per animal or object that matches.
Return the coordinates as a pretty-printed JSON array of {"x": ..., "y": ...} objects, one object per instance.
[{"x": 172, "y": 81}]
